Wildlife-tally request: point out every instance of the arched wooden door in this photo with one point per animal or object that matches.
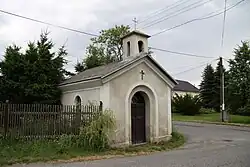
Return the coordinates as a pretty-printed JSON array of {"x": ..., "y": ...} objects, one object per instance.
[{"x": 138, "y": 119}]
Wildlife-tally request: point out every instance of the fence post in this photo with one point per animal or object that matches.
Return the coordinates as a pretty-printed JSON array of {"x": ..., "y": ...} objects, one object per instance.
[{"x": 6, "y": 118}]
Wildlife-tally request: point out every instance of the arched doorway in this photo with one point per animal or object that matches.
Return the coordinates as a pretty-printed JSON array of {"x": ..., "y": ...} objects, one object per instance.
[{"x": 138, "y": 118}]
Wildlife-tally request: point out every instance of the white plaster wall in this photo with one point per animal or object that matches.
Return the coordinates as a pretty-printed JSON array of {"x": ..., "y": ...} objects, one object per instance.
[
  {"x": 87, "y": 95},
  {"x": 119, "y": 88},
  {"x": 180, "y": 93},
  {"x": 104, "y": 95}
]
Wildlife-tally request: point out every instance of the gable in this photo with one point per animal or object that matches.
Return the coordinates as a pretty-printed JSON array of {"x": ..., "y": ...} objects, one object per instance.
[
  {"x": 151, "y": 64},
  {"x": 122, "y": 85},
  {"x": 98, "y": 72},
  {"x": 107, "y": 72}
]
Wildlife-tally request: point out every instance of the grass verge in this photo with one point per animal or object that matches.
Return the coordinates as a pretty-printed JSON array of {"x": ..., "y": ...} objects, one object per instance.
[
  {"x": 27, "y": 152},
  {"x": 214, "y": 117}
]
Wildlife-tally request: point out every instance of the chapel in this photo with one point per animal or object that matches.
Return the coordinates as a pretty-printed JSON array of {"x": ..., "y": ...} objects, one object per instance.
[{"x": 137, "y": 89}]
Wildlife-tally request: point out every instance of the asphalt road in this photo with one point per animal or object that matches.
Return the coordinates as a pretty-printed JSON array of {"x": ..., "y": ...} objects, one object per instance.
[{"x": 207, "y": 146}]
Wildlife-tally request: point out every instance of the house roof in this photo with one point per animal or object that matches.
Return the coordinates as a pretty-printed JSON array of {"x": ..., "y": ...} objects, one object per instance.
[
  {"x": 185, "y": 86},
  {"x": 106, "y": 70}
]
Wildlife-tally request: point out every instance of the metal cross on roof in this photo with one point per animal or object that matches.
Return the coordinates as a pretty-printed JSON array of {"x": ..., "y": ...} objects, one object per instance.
[{"x": 135, "y": 22}]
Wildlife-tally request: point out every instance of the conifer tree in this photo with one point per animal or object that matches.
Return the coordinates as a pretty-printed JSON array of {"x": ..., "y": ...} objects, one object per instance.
[
  {"x": 207, "y": 87},
  {"x": 239, "y": 80},
  {"x": 217, "y": 87},
  {"x": 33, "y": 76}
]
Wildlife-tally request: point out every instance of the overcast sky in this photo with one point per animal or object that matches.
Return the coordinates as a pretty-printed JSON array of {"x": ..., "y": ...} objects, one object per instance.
[{"x": 201, "y": 37}]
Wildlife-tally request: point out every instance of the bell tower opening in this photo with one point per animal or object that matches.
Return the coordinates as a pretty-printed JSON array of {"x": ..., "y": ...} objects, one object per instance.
[
  {"x": 128, "y": 48},
  {"x": 140, "y": 46}
]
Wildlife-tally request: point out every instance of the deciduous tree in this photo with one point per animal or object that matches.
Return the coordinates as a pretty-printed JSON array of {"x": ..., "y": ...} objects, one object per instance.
[{"x": 104, "y": 49}]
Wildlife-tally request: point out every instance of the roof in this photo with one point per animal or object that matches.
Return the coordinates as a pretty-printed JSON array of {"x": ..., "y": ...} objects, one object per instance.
[
  {"x": 105, "y": 70},
  {"x": 185, "y": 86},
  {"x": 96, "y": 72},
  {"x": 136, "y": 32}
]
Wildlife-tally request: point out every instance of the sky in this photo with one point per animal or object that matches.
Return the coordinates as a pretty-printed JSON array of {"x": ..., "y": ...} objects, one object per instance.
[{"x": 200, "y": 37}]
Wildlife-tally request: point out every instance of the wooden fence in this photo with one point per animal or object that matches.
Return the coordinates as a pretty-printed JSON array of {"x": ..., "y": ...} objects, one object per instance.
[{"x": 42, "y": 121}]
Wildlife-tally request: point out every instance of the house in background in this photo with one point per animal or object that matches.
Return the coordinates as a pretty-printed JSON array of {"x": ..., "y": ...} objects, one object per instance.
[{"x": 184, "y": 87}]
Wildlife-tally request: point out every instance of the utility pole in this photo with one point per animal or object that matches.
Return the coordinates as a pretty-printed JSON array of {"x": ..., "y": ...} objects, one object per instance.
[{"x": 222, "y": 92}]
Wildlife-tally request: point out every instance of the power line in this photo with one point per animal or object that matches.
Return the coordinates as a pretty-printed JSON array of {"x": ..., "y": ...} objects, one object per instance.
[
  {"x": 224, "y": 21},
  {"x": 199, "y": 19},
  {"x": 166, "y": 17},
  {"x": 31, "y": 19},
  {"x": 173, "y": 5},
  {"x": 180, "y": 53},
  {"x": 157, "y": 12},
  {"x": 196, "y": 67},
  {"x": 43, "y": 22},
  {"x": 182, "y": 24},
  {"x": 186, "y": 66}
]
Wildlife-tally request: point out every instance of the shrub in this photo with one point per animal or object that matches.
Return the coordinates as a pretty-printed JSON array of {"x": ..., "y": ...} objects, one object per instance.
[
  {"x": 187, "y": 104},
  {"x": 245, "y": 111},
  {"x": 65, "y": 142},
  {"x": 95, "y": 136},
  {"x": 207, "y": 110}
]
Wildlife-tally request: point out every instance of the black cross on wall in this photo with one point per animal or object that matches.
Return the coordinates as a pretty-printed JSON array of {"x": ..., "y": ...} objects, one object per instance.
[{"x": 142, "y": 74}]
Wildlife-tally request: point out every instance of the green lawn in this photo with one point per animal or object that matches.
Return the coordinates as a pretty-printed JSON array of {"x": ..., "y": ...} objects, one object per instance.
[
  {"x": 27, "y": 151},
  {"x": 214, "y": 117}
]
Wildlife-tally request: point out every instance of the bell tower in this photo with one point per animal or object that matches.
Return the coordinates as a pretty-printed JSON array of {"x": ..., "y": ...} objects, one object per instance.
[{"x": 134, "y": 43}]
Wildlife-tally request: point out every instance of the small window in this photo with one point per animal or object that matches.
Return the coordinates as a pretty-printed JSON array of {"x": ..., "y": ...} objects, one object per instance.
[
  {"x": 128, "y": 48},
  {"x": 78, "y": 102},
  {"x": 140, "y": 46}
]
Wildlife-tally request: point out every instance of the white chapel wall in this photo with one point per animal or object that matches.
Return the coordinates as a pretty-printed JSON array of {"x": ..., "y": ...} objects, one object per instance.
[
  {"x": 86, "y": 95},
  {"x": 104, "y": 95},
  {"x": 119, "y": 89},
  {"x": 181, "y": 93}
]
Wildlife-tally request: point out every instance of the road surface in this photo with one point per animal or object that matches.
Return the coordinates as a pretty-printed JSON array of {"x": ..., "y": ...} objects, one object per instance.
[{"x": 208, "y": 146}]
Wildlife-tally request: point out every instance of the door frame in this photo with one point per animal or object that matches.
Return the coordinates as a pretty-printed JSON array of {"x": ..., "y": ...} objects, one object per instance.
[{"x": 152, "y": 130}]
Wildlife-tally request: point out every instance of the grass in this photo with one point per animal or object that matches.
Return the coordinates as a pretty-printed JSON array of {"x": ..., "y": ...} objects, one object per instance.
[
  {"x": 214, "y": 117},
  {"x": 27, "y": 151}
]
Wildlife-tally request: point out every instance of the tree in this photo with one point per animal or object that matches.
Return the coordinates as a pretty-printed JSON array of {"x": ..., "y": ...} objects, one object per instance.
[
  {"x": 186, "y": 105},
  {"x": 207, "y": 87},
  {"x": 239, "y": 79},
  {"x": 79, "y": 67},
  {"x": 217, "y": 77},
  {"x": 33, "y": 76},
  {"x": 104, "y": 49}
]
